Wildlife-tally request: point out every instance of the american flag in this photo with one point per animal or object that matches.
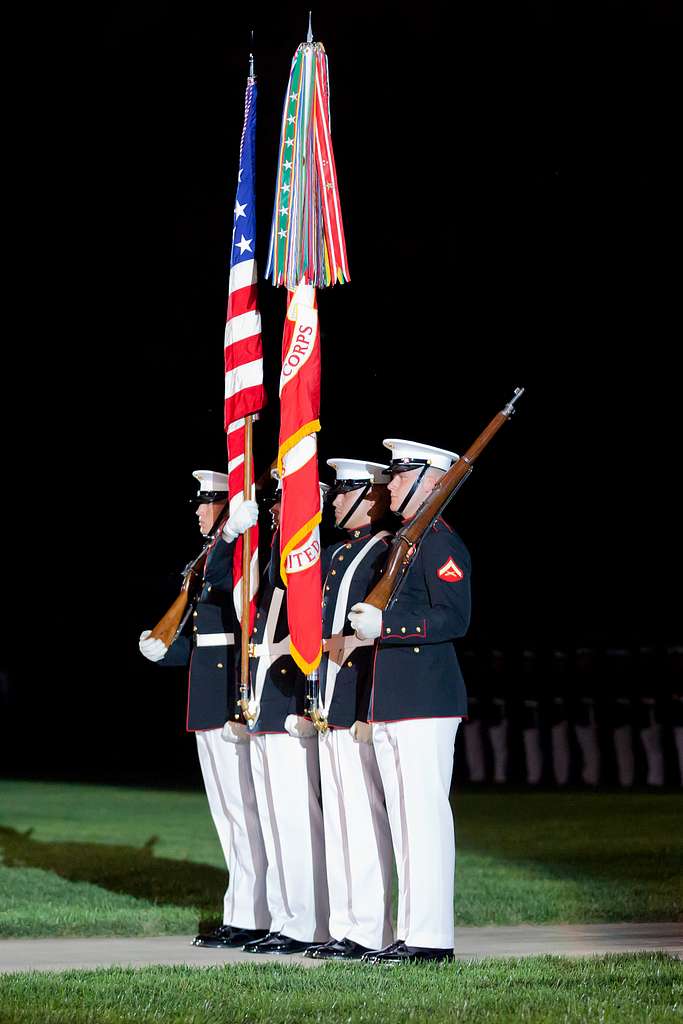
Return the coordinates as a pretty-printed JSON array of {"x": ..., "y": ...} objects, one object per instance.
[{"x": 244, "y": 393}]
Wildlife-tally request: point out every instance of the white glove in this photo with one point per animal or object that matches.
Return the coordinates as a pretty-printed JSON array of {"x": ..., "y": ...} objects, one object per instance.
[
  {"x": 366, "y": 621},
  {"x": 235, "y": 732},
  {"x": 299, "y": 727},
  {"x": 153, "y": 650},
  {"x": 242, "y": 519}
]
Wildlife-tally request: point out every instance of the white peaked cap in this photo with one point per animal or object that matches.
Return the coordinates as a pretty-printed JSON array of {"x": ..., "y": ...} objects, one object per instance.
[
  {"x": 357, "y": 469},
  {"x": 209, "y": 481},
  {"x": 411, "y": 451}
]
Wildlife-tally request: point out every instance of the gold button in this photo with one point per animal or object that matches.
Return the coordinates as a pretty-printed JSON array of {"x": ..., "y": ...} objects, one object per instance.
[
  {"x": 416, "y": 649},
  {"x": 327, "y": 587},
  {"x": 356, "y": 533},
  {"x": 341, "y": 558},
  {"x": 334, "y": 572},
  {"x": 258, "y": 615},
  {"x": 194, "y": 629},
  {"x": 403, "y": 629},
  {"x": 237, "y": 718},
  {"x": 219, "y": 664},
  {"x": 209, "y": 587},
  {"x": 347, "y": 546},
  {"x": 350, "y": 664},
  {"x": 194, "y": 614},
  {"x": 388, "y": 629},
  {"x": 417, "y": 629},
  {"x": 283, "y": 671}
]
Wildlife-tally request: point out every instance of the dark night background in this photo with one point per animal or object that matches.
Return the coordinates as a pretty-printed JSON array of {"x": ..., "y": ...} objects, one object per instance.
[{"x": 509, "y": 176}]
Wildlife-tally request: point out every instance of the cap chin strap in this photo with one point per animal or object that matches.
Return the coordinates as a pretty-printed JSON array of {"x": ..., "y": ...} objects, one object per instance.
[
  {"x": 364, "y": 491},
  {"x": 411, "y": 492}
]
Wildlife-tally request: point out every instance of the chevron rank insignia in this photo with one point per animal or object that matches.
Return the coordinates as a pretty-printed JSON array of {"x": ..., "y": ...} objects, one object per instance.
[{"x": 450, "y": 571}]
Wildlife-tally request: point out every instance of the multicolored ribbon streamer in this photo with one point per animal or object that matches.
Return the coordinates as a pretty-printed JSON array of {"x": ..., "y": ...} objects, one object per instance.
[{"x": 307, "y": 244}]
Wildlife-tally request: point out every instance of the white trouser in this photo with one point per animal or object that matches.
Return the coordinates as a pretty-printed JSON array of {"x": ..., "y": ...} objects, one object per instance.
[
  {"x": 560, "y": 745},
  {"x": 651, "y": 738},
  {"x": 474, "y": 752},
  {"x": 230, "y": 789},
  {"x": 678, "y": 740},
  {"x": 533, "y": 755},
  {"x": 415, "y": 760},
  {"x": 587, "y": 735},
  {"x": 623, "y": 748},
  {"x": 498, "y": 736},
  {"x": 287, "y": 783},
  {"x": 357, "y": 841}
]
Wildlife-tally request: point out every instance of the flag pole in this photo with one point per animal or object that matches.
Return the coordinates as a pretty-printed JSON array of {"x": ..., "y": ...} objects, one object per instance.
[{"x": 246, "y": 575}]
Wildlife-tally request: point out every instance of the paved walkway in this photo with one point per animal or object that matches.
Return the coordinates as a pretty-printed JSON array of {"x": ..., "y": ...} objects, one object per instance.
[{"x": 473, "y": 943}]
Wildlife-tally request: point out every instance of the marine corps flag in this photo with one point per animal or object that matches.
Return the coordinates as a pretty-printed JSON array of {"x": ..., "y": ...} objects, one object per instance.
[
  {"x": 307, "y": 251},
  {"x": 298, "y": 466}
]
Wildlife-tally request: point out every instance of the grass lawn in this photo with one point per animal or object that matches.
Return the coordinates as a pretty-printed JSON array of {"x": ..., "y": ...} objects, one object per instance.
[
  {"x": 632, "y": 989},
  {"x": 96, "y": 860}
]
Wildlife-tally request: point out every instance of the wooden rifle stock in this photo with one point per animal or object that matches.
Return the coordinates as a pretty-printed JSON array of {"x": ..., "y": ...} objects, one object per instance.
[
  {"x": 167, "y": 627},
  {"x": 408, "y": 539}
]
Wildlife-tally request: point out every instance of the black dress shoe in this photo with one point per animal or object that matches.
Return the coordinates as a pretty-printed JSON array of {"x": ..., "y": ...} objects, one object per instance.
[
  {"x": 276, "y": 942},
  {"x": 337, "y": 949},
  {"x": 372, "y": 953},
  {"x": 399, "y": 953},
  {"x": 228, "y": 937}
]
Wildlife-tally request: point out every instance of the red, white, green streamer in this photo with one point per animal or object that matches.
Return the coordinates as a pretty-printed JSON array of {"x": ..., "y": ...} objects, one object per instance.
[{"x": 307, "y": 242}]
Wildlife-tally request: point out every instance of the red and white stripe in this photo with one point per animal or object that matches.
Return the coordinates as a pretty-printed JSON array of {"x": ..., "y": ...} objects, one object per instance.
[{"x": 244, "y": 396}]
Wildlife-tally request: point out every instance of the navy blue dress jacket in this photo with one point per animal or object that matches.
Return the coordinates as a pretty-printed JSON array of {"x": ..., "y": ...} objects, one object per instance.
[
  {"x": 212, "y": 685},
  {"x": 416, "y": 672}
]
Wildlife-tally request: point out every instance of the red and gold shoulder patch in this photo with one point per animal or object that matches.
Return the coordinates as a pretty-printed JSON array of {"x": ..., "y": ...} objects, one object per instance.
[{"x": 450, "y": 571}]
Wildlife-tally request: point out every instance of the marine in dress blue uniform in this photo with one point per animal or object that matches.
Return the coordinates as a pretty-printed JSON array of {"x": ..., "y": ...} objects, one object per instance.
[
  {"x": 417, "y": 701},
  {"x": 357, "y": 836},
  {"x": 473, "y": 738},
  {"x": 585, "y": 715},
  {"x": 619, "y": 675},
  {"x": 284, "y": 762},
  {"x": 559, "y": 695},
  {"x": 649, "y": 712},
  {"x": 530, "y": 715},
  {"x": 207, "y": 649},
  {"x": 673, "y": 669},
  {"x": 496, "y": 711}
]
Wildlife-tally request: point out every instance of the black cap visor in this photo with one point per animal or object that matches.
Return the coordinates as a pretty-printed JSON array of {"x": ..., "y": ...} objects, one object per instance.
[
  {"x": 209, "y": 497},
  {"x": 344, "y": 486}
]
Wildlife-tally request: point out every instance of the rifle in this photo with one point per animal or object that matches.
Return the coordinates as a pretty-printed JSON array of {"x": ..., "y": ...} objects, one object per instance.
[
  {"x": 407, "y": 540},
  {"x": 171, "y": 625}
]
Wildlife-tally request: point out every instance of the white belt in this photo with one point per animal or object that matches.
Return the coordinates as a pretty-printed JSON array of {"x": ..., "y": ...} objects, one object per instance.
[
  {"x": 214, "y": 639},
  {"x": 274, "y": 650},
  {"x": 338, "y": 645}
]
